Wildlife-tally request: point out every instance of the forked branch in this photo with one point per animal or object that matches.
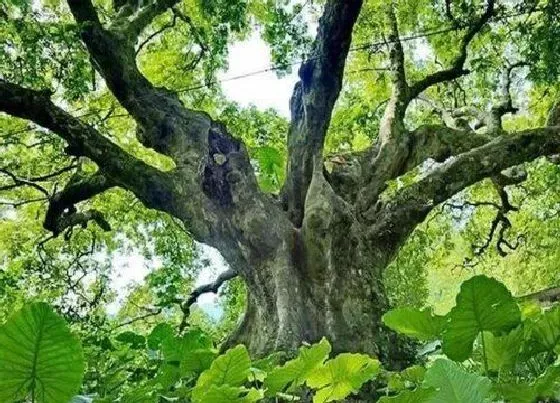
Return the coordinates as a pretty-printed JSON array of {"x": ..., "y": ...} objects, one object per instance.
[
  {"x": 62, "y": 213},
  {"x": 117, "y": 165},
  {"x": 456, "y": 69},
  {"x": 398, "y": 216},
  {"x": 313, "y": 100}
]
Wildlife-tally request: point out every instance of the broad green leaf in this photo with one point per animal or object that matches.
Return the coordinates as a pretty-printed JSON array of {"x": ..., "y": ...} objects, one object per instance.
[
  {"x": 134, "y": 340},
  {"x": 395, "y": 383},
  {"x": 177, "y": 348},
  {"x": 406, "y": 379},
  {"x": 341, "y": 376},
  {"x": 39, "y": 357},
  {"x": 269, "y": 362},
  {"x": 455, "y": 385},
  {"x": 414, "y": 374},
  {"x": 420, "y": 324},
  {"x": 418, "y": 395},
  {"x": 547, "y": 385},
  {"x": 294, "y": 372},
  {"x": 159, "y": 334},
  {"x": 140, "y": 395},
  {"x": 232, "y": 394},
  {"x": 544, "y": 332},
  {"x": 230, "y": 369},
  {"x": 197, "y": 361},
  {"x": 483, "y": 304},
  {"x": 502, "y": 352},
  {"x": 167, "y": 376}
]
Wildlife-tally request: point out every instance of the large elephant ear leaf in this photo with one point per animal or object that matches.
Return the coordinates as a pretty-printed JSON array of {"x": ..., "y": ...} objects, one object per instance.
[
  {"x": 483, "y": 304},
  {"x": 455, "y": 385},
  {"x": 545, "y": 386},
  {"x": 420, "y": 324},
  {"x": 341, "y": 376},
  {"x": 418, "y": 395},
  {"x": 40, "y": 360},
  {"x": 544, "y": 332}
]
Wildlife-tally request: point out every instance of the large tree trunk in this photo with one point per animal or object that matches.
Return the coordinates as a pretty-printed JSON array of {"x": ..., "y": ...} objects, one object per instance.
[{"x": 322, "y": 280}]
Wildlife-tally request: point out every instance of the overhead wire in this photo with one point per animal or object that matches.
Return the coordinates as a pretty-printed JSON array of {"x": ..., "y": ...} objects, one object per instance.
[{"x": 357, "y": 48}]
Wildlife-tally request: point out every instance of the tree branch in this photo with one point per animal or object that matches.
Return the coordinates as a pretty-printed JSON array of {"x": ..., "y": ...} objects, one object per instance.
[
  {"x": 314, "y": 98},
  {"x": 505, "y": 105},
  {"x": 396, "y": 57},
  {"x": 146, "y": 15},
  {"x": 395, "y": 158},
  {"x": 457, "y": 66},
  {"x": 154, "y": 109},
  {"x": 18, "y": 182},
  {"x": 398, "y": 215},
  {"x": 83, "y": 140},
  {"x": 548, "y": 295},
  {"x": 212, "y": 287},
  {"x": 439, "y": 143},
  {"x": 62, "y": 214}
]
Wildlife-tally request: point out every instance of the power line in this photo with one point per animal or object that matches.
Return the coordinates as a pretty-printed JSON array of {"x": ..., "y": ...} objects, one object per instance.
[{"x": 358, "y": 48}]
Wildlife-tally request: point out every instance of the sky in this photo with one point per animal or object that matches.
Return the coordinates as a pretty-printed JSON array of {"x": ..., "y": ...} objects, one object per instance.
[{"x": 264, "y": 90}]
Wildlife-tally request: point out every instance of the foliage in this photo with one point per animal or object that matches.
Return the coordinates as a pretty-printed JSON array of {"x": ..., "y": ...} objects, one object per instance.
[
  {"x": 513, "y": 359},
  {"x": 39, "y": 358}
]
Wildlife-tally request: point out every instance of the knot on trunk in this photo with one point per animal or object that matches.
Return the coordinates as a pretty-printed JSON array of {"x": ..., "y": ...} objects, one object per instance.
[{"x": 219, "y": 173}]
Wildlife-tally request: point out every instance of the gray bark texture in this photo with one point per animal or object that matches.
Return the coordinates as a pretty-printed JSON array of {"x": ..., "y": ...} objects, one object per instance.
[{"x": 312, "y": 260}]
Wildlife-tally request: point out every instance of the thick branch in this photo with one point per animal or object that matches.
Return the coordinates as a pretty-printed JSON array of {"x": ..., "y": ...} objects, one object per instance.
[
  {"x": 62, "y": 213},
  {"x": 398, "y": 215},
  {"x": 396, "y": 57},
  {"x": 505, "y": 104},
  {"x": 83, "y": 140},
  {"x": 395, "y": 158},
  {"x": 457, "y": 65},
  {"x": 439, "y": 143},
  {"x": 548, "y": 295},
  {"x": 314, "y": 98},
  {"x": 153, "y": 109}
]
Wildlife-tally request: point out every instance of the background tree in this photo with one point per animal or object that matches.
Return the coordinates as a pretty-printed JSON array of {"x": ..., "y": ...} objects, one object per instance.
[{"x": 313, "y": 256}]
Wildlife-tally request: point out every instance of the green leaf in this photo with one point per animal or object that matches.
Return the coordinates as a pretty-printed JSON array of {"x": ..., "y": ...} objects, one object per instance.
[
  {"x": 455, "y": 385},
  {"x": 418, "y": 395},
  {"x": 39, "y": 357},
  {"x": 294, "y": 372},
  {"x": 197, "y": 361},
  {"x": 231, "y": 369},
  {"x": 232, "y": 394},
  {"x": 177, "y": 348},
  {"x": 483, "y": 304},
  {"x": 134, "y": 340},
  {"x": 502, "y": 352},
  {"x": 544, "y": 332},
  {"x": 341, "y": 376},
  {"x": 420, "y": 324},
  {"x": 270, "y": 159},
  {"x": 547, "y": 385},
  {"x": 159, "y": 334},
  {"x": 414, "y": 374},
  {"x": 167, "y": 375}
]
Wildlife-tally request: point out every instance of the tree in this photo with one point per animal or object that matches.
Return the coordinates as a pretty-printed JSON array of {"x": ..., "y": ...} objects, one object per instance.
[{"x": 312, "y": 258}]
